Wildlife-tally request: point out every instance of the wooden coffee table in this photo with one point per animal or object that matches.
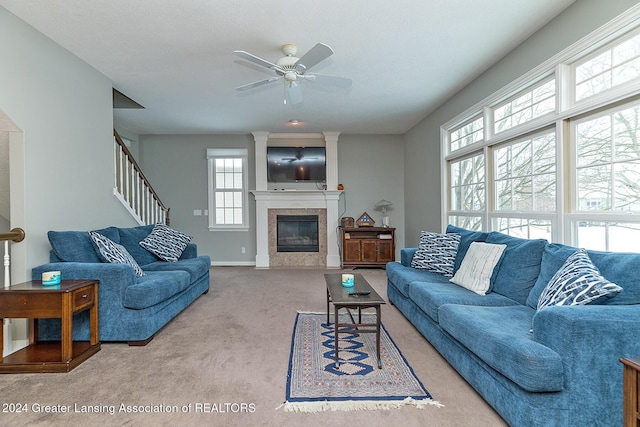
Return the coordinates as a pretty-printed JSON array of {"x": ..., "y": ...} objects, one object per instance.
[{"x": 339, "y": 296}]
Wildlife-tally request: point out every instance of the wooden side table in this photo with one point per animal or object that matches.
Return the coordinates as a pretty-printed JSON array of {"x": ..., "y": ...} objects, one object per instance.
[
  {"x": 34, "y": 301},
  {"x": 631, "y": 384}
]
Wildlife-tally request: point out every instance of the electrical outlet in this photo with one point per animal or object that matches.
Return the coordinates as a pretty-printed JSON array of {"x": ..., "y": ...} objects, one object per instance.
[{"x": 244, "y": 250}]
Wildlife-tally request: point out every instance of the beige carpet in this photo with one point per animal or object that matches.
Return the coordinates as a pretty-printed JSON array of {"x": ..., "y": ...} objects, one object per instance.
[{"x": 228, "y": 352}]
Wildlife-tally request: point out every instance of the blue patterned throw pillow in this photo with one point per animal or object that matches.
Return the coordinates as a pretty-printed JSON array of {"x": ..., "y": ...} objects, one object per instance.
[
  {"x": 165, "y": 242},
  {"x": 114, "y": 253},
  {"x": 578, "y": 282},
  {"x": 436, "y": 252}
]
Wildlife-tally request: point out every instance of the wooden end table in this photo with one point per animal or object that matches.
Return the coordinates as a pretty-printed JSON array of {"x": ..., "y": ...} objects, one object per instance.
[
  {"x": 339, "y": 296},
  {"x": 631, "y": 384},
  {"x": 34, "y": 301}
]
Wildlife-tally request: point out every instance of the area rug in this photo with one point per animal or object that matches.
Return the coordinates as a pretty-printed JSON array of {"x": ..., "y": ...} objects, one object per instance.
[{"x": 314, "y": 384}]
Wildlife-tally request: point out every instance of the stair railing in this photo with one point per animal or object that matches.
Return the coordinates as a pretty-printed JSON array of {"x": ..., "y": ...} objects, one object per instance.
[
  {"x": 134, "y": 190},
  {"x": 15, "y": 235}
]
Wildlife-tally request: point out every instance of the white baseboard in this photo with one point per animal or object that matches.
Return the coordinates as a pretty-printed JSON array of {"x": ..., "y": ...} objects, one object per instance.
[{"x": 233, "y": 263}]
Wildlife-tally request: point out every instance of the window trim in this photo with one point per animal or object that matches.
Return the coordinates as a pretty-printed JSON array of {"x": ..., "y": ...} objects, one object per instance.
[{"x": 221, "y": 153}]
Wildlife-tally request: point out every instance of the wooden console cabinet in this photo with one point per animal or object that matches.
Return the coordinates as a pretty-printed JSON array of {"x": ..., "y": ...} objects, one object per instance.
[{"x": 368, "y": 246}]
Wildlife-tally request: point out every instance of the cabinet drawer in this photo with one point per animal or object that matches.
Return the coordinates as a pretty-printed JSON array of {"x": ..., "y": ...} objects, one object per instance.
[{"x": 83, "y": 298}]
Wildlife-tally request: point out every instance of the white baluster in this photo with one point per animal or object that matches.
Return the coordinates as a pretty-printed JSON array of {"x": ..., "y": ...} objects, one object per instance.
[
  {"x": 7, "y": 263},
  {"x": 7, "y": 343}
]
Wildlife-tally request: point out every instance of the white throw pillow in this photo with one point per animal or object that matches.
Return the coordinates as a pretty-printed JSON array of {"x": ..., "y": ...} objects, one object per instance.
[{"x": 477, "y": 267}]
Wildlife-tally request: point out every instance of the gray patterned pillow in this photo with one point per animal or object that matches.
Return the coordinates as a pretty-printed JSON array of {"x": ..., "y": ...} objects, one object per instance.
[
  {"x": 114, "y": 253},
  {"x": 578, "y": 282},
  {"x": 436, "y": 252},
  {"x": 165, "y": 242}
]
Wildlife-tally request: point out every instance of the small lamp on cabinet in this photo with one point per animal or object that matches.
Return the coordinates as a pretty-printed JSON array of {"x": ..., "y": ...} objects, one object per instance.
[{"x": 383, "y": 205}]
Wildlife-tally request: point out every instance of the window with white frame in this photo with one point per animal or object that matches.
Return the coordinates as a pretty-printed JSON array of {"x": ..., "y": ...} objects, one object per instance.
[
  {"x": 566, "y": 172},
  {"x": 467, "y": 134},
  {"x": 227, "y": 188},
  {"x": 607, "y": 179},
  {"x": 608, "y": 68},
  {"x": 525, "y": 106},
  {"x": 525, "y": 175},
  {"x": 467, "y": 191}
]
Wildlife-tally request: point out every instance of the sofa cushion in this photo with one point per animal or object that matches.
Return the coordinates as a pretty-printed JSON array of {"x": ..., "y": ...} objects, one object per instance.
[
  {"x": 114, "y": 253},
  {"x": 402, "y": 276},
  {"x": 165, "y": 242},
  {"x": 130, "y": 238},
  {"x": 621, "y": 268},
  {"x": 436, "y": 252},
  {"x": 154, "y": 288},
  {"x": 578, "y": 282},
  {"x": 466, "y": 237},
  {"x": 431, "y": 296},
  {"x": 196, "y": 267},
  {"x": 76, "y": 246},
  {"x": 520, "y": 265},
  {"x": 500, "y": 337},
  {"x": 477, "y": 267}
]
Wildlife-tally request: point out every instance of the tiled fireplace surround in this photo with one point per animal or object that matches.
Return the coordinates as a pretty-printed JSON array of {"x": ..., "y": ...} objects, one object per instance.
[{"x": 296, "y": 201}]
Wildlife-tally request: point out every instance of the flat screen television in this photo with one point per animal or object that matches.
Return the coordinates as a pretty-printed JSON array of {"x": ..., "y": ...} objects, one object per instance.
[{"x": 295, "y": 164}]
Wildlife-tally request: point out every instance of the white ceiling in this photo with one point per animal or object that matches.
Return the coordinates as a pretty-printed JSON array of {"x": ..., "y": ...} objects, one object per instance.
[{"x": 405, "y": 57}]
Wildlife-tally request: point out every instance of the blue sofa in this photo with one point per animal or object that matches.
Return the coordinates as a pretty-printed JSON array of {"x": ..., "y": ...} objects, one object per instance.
[
  {"x": 131, "y": 308},
  {"x": 558, "y": 366}
]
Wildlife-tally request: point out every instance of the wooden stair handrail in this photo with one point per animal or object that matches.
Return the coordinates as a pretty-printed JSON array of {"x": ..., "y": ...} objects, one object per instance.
[
  {"x": 16, "y": 235},
  {"x": 139, "y": 171}
]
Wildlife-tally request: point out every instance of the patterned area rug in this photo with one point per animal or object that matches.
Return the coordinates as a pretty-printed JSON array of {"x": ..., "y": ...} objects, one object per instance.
[{"x": 314, "y": 383}]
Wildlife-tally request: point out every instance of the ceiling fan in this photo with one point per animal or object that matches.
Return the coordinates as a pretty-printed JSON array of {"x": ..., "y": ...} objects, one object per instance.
[{"x": 292, "y": 70}]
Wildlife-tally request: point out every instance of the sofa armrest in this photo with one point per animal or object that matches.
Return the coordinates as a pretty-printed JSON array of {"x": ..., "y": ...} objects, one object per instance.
[
  {"x": 191, "y": 251},
  {"x": 406, "y": 255},
  {"x": 590, "y": 339},
  {"x": 114, "y": 278}
]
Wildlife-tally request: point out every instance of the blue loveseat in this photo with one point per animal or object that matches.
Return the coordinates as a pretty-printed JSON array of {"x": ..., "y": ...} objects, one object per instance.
[
  {"x": 131, "y": 308},
  {"x": 557, "y": 366}
]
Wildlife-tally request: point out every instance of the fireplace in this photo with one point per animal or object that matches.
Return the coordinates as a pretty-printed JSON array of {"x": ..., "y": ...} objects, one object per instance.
[{"x": 297, "y": 233}]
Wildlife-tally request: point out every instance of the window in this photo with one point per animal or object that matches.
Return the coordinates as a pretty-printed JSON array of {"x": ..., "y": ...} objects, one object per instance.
[
  {"x": 556, "y": 169},
  {"x": 607, "y": 169},
  {"x": 526, "y": 106},
  {"x": 227, "y": 188},
  {"x": 467, "y": 184},
  {"x": 616, "y": 65},
  {"x": 525, "y": 176},
  {"x": 608, "y": 162},
  {"x": 467, "y": 134}
]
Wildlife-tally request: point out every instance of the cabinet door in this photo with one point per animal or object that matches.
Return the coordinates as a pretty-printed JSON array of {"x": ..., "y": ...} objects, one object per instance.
[
  {"x": 369, "y": 250},
  {"x": 351, "y": 250},
  {"x": 385, "y": 251}
]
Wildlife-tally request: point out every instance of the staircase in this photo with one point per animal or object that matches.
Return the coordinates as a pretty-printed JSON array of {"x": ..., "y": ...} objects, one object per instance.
[{"x": 134, "y": 190}]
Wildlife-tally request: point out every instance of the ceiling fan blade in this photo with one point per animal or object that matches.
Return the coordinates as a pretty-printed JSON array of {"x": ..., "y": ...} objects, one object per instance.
[
  {"x": 294, "y": 93},
  {"x": 256, "y": 60},
  {"x": 257, "y": 84},
  {"x": 317, "y": 54},
  {"x": 323, "y": 79}
]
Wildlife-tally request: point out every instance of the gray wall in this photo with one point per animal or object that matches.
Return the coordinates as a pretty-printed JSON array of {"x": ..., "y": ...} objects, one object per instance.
[
  {"x": 369, "y": 166},
  {"x": 64, "y": 108},
  {"x": 422, "y": 143}
]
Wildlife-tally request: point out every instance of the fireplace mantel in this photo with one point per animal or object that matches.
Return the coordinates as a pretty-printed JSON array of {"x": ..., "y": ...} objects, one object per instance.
[{"x": 299, "y": 199}]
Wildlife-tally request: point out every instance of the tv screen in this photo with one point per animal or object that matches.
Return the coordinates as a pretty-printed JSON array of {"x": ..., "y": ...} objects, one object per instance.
[{"x": 293, "y": 164}]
